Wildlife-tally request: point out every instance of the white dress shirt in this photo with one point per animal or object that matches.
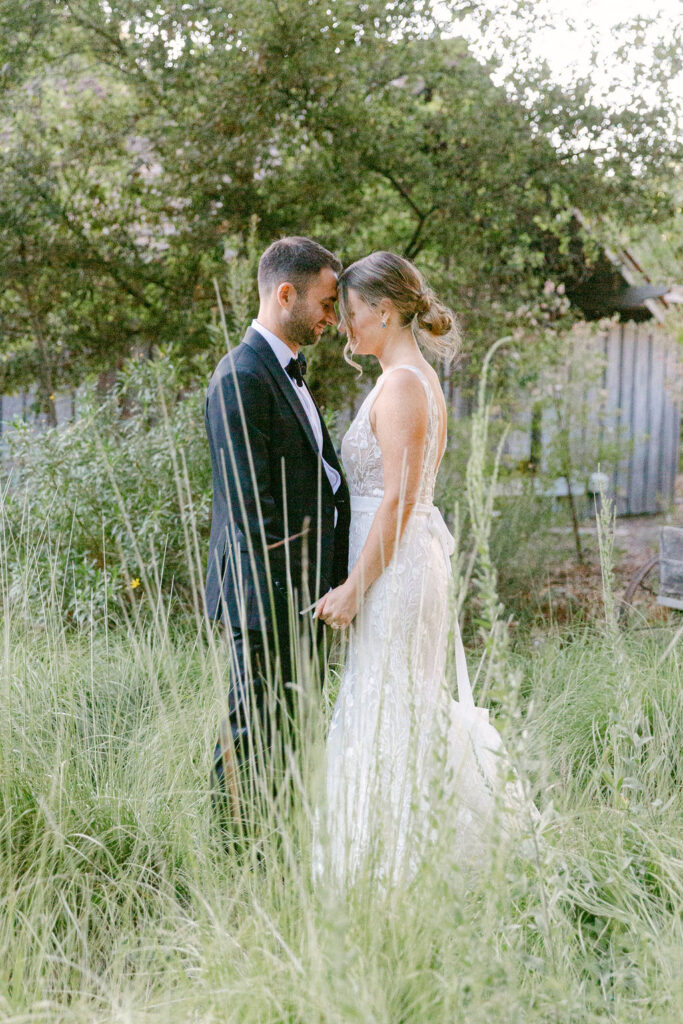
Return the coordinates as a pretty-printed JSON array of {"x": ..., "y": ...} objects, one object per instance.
[{"x": 283, "y": 354}]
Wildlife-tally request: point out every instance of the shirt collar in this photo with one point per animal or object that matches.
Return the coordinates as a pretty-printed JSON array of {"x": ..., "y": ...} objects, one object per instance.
[{"x": 283, "y": 352}]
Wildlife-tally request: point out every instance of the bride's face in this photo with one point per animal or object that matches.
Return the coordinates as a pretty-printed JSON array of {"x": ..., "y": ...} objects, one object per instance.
[{"x": 362, "y": 326}]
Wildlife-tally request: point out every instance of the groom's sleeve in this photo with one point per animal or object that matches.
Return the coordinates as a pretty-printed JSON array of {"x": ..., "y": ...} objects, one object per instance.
[{"x": 238, "y": 418}]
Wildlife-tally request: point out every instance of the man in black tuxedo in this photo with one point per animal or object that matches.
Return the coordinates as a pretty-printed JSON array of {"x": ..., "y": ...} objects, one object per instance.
[{"x": 279, "y": 531}]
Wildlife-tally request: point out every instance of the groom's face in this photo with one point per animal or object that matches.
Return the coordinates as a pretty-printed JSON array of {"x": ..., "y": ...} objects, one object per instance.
[{"x": 312, "y": 309}]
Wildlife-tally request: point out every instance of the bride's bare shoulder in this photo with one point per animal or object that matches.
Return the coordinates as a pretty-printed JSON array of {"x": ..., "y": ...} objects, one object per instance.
[
  {"x": 402, "y": 395},
  {"x": 403, "y": 382}
]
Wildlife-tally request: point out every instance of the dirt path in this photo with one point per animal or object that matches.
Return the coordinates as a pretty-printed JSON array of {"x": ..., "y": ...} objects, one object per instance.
[
  {"x": 637, "y": 537},
  {"x": 579, "y": 587}
]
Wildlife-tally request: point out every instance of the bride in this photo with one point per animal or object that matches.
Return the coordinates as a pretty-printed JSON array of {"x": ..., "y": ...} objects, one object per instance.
[{"x": 401, "y": 753}]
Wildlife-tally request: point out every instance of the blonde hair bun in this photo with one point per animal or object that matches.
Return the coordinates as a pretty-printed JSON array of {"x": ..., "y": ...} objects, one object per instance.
[
  {"x": 384, "y": 275},
  {"x": 432, "y": 316}
]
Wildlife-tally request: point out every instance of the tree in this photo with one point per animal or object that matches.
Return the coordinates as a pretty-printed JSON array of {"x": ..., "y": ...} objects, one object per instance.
[{"x": 142, "y": 144}]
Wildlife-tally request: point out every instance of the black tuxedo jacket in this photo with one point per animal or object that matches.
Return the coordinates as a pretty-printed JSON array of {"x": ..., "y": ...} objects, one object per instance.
[{"x": 268, "y": 485}]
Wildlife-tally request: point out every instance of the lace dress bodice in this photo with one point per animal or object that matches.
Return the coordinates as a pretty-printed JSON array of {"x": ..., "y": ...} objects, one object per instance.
[{"x": 361, "y": 455}]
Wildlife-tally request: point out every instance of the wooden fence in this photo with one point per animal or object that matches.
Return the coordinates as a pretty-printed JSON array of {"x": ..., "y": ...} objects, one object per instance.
[
  {"x": 22, "y": 407},
  {"x": 642, "y": 379},
  {"x": 625, "y": 389}
]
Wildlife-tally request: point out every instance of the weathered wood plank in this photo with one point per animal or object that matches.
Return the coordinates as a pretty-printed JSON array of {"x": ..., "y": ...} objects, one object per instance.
[
  {"x": 657, "y": 399},
  {"x": 589, "y": 427},
  {"x": 670, "y": 438},
  {"x": 671, "y": 543},
  {"x": 518, "y": 442},
  {"x": 671, "y": 563},
  {"x": 613, "y": 350},
  {"x": 624, "y": 404},
  {"x": 671, "y": 578},
  {"x": 673, "y": 397},
  {"x": 640, "y": 389},
  {"x": 20, "y": 406},
  {"x": 548, "y": 432}
]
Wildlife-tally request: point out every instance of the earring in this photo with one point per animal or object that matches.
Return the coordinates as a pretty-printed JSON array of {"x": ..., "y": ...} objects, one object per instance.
[{"x": 384, "y": 323}]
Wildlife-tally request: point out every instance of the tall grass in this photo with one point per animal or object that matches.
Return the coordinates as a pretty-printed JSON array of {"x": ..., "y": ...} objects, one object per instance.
[{"x": 120, "y": 900}]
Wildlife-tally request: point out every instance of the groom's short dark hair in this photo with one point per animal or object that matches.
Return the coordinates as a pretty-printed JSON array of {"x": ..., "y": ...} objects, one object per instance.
[{"x": 294, "y": 259}]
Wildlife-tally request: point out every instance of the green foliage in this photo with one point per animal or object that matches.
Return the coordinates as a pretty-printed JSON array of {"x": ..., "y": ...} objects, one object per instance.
[
  {"x": 120, "y": 897},
  {"x": 139, "y": 145},
  {"x": 523, "y": 549},
  {"x": 91, "y": 507}
]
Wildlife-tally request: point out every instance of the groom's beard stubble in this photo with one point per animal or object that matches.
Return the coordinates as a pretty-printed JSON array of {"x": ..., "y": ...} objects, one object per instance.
[{"x": 301, "y": 327}]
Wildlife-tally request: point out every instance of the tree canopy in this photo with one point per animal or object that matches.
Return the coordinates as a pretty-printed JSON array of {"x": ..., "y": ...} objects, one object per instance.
[{"x": 138, "y": 145}]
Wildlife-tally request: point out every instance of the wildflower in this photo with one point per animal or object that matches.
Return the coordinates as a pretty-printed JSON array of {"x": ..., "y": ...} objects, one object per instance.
[{"x": 134, "y": 583}]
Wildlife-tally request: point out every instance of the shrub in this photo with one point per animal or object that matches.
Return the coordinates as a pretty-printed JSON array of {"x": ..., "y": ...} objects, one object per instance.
[{"x": 113, "y": 507}]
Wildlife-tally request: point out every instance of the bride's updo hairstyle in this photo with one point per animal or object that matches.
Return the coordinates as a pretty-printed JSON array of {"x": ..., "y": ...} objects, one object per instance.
[{"x": 383, "y": 275}]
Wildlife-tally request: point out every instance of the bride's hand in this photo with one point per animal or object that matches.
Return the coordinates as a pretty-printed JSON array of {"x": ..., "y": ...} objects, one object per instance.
[{"x": 338, "y": 607}]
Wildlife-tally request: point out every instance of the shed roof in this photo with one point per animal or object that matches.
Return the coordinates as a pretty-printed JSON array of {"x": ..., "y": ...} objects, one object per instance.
[{"x": 619, "y": 284}]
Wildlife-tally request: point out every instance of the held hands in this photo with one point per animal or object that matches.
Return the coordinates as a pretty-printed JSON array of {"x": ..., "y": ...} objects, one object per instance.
[{"x": 338, "y": 607}]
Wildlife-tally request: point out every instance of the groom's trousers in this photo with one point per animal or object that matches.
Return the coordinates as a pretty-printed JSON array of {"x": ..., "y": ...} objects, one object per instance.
[
  {"x": 249, "y": 754},
  {"x": 250, "y": 757},
  {"x": 259, "y": 697}
]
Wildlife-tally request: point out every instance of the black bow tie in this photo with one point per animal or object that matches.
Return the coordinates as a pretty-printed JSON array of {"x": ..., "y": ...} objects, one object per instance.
[{"x": 296, "y": 368}]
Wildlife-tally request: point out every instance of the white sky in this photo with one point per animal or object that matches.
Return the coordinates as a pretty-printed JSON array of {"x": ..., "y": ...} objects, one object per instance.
[{"x": 568, "y": 50}]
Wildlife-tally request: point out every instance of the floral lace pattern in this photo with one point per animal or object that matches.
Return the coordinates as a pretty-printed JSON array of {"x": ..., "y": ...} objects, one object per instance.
[
  {"x": 361, "y": 456},
  {"x": 396, "y": 733}
]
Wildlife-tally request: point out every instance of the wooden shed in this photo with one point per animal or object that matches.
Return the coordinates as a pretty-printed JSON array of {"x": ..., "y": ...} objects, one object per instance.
[
  {"x": 642, "y": 381},
  {"x": 634, "y": 394}
]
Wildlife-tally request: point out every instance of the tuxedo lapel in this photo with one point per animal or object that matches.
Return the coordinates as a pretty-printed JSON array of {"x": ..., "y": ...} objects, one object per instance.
[{"x": 270, "y": 361}]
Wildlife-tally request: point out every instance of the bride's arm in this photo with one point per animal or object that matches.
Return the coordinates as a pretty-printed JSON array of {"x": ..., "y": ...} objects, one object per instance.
[{"x": 400, "y": 426}]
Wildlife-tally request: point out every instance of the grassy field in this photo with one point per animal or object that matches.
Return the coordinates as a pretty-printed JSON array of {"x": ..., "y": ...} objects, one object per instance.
[{"x": 119, "y": 902}]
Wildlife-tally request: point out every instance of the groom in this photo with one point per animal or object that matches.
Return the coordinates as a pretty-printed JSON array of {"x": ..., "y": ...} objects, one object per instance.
[{"x": 279, "y": 531}]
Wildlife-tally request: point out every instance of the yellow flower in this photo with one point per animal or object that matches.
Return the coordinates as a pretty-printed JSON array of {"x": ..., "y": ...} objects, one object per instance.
[{"x": 134, "y": 583}]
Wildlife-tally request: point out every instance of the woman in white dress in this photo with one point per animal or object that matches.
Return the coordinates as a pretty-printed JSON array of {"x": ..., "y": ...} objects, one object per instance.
[{"x": 401, "y": 753}]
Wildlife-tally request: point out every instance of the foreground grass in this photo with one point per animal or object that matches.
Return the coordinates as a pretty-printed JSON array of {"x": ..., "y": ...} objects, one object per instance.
[{"x": 119, "y": 903}]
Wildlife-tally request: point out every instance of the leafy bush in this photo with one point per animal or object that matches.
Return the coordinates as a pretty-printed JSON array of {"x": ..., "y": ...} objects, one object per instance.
[
  {"x": 113, "y": 507},
  {"x": 116, "y": 506},
  {"x": 523, "y": 541}
]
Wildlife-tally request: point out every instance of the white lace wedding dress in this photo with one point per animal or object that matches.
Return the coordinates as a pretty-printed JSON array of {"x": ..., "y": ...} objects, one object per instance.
[{"x": 404, "y": 760}]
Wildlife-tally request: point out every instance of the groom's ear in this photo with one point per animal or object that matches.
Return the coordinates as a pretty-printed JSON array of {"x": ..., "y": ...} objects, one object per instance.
[{"x": 286, "y": 295}]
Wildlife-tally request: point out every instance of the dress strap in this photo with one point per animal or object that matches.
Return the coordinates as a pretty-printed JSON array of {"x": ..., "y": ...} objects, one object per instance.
[
  {"x": 407, "y": 366},
  {"x": 416, "y": 370},
  {"x": 383, "y": 376}
]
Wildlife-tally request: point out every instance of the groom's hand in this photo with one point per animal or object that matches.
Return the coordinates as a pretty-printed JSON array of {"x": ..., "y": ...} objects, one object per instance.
[{"x": 338, "y": 607}]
